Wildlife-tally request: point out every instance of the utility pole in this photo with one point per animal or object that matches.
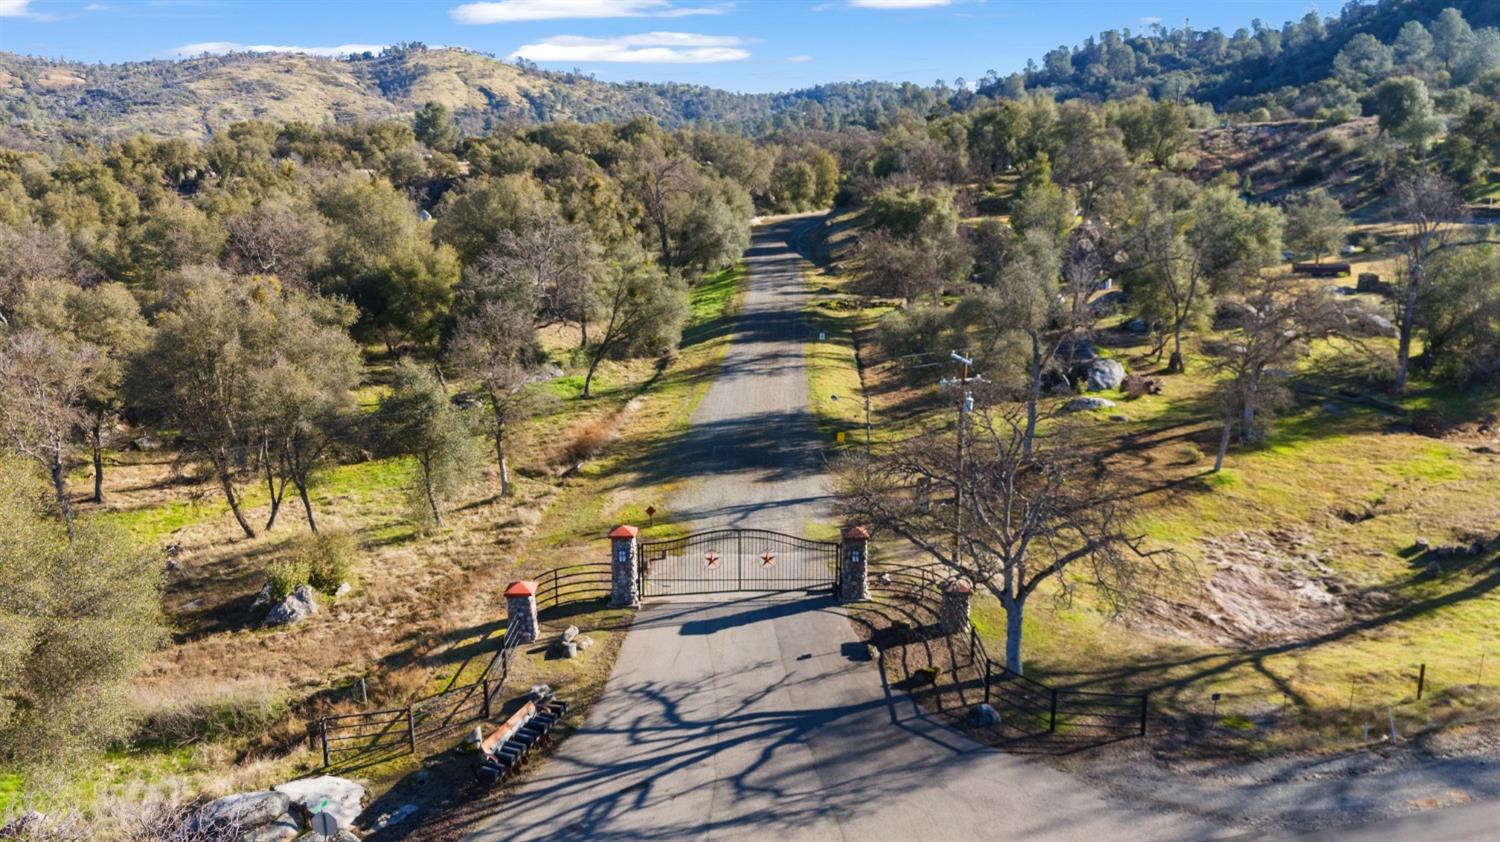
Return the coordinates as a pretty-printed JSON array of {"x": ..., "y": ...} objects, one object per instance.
[{"x": 965, "y": 404}]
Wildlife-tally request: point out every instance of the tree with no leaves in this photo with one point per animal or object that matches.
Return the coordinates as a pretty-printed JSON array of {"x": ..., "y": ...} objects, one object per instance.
[
  {"x": 549, "y": 261},
  {"x": 1047, "y": 518}
]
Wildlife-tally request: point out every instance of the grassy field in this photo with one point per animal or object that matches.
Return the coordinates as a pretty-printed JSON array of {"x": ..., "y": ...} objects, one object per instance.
[
  {"x": 426, "y": 609},
  {"x": 1306, "y": 602}
]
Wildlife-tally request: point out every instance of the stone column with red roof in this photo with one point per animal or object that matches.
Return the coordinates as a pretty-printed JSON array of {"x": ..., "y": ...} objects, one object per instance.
[
  {"x": 624, "y": 567},
  {"x": 520, "y": 611},
  {"x": 953, "y": 615},
  {"x": 854, "y": 564}
]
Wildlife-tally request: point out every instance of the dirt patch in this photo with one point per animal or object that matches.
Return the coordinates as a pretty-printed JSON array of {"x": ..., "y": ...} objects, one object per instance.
[
  {"x": 1266, "y": 587},
  {"x": 1480, "y": 436}
]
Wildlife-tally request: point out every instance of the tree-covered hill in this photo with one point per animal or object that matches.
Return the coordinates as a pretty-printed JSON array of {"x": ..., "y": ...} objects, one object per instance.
[
  {"x": 1301, "y": 67},
  {"x": 46, "y": 99}
]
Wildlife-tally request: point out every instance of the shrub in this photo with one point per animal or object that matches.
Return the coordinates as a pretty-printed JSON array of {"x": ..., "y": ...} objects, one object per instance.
[
  {"x": 285, "y": 575},
  {"x": 591, "y": 440},
  {"x": 324, "y": 561},
  {"x": 329, "y": 557}
]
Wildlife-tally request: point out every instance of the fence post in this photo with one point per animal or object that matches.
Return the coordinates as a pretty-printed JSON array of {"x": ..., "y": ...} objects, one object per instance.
[
  {"x": 1421, "y": 680},
  {"x": 1052, "y": 723},
  {"x": 411, "y": 730},
  {"x": 520, "y": 610},
  {"x": 625, "y": 582},
  {"x": 485, "y": 688},
  {"x": 854, "y": 564},
  {"x": 323, "y": 729},
  {"x": 1144, "y": 698}
]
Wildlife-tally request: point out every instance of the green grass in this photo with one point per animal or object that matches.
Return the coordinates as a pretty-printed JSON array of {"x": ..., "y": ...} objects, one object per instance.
[
  {"x": 1316, "y": 465},
  {"x": 836, "y": 394}
]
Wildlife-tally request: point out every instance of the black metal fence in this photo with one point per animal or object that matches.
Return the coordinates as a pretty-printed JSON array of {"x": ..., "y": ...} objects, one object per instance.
[
  {"x": 575, "y": 583},
  {"x": 1032, "y": 704},
  {"x": 347, "y": 736},
  {"x": 1103, "y": 714}
]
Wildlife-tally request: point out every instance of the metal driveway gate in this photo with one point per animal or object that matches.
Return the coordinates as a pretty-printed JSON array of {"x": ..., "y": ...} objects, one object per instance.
[{"x": 737, "y": 560}]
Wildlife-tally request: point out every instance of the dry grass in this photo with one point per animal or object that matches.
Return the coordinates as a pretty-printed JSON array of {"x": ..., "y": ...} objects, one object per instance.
[{"x": 226, "y": 705}]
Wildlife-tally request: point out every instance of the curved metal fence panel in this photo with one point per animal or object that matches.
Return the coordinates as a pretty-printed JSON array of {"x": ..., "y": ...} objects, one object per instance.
[{"x": 347, "y": 736}]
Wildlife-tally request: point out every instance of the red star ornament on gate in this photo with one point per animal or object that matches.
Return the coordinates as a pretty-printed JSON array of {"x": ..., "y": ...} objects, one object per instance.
[
  {"x": 712, "y": 558},
  {"x": 767, "y": 560}
]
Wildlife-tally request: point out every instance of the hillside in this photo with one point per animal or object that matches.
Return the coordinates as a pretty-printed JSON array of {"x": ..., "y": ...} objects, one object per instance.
[
  {"x": 1293, "y": 69},
  {"x": 45, "y": 99}
]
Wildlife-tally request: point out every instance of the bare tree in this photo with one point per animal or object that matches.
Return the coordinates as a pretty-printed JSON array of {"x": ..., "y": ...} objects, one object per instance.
[
  {"x": 1049, "y": 517},
  {"x": 657, "y": 177},
  {"x": 1276, "y": 323},
  {"x": 277, "y": 238},
  {"x": 43, "y": 380},
  {"x": 552, "y": 260}
]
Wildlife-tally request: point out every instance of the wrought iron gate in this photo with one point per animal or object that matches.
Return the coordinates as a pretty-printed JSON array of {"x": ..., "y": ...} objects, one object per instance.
[{"x": 737, "y": 560}]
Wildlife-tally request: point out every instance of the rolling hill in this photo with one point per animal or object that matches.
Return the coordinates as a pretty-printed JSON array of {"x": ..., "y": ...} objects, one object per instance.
[{"x": 47, "y": 99}]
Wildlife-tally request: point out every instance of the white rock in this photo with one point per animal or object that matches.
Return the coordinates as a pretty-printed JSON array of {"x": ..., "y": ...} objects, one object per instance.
[
  {"x": 326, "y": 793},
  {"x": 1088, "y": 403},
  {"x": 343, "y": 589},
  {"x": 397, "y": 817},
  {"x": 286, "y": 827}
]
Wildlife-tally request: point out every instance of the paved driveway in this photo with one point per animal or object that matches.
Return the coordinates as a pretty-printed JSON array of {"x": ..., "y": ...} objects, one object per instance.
[{"x": 761, "y": 717}]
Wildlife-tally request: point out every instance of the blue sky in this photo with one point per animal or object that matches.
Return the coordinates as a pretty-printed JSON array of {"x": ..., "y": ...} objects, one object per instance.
[{"x": 743, "y": 45}]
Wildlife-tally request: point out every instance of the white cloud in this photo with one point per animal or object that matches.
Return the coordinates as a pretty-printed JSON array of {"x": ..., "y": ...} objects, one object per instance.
[
  {"x": 798, "y": 59},
  {"x": 222, "y": 47},
  {"x": 646, "y": 48},
  {"x": 898, "y": 4},
  {"x": 508, "y": 11},
  {"x": 16, "y": 9}
]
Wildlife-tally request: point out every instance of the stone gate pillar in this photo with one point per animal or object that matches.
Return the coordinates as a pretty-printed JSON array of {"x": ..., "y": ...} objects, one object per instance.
[
  {"x": 520, "y": 611},
  {"x": 624, "y": 567},
  {"x": 953, "y": 616},
  {"x": 854, "y": 565}
]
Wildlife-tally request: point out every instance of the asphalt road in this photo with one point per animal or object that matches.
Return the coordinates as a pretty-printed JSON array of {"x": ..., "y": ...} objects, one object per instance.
[
  {"x": 752, "y": 448},
  {"x": 761, "y": 717}
]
